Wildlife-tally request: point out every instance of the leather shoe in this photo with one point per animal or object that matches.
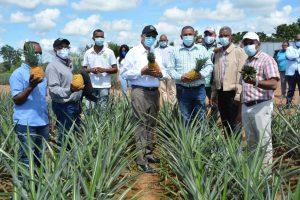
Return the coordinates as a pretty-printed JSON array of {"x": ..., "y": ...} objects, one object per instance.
[
  {"x": 147, "y": 169},
  {"x": 152, "y": 159}
]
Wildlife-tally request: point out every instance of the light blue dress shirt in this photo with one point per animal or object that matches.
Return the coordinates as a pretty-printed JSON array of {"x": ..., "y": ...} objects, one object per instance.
[
  {"x": 293, "y": 60},
  {"x": 34, "y": 111}
]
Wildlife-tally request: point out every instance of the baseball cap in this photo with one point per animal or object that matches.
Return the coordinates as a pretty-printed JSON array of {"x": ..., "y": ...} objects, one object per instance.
[
  {"x": 251, "y": 36},
  {"x": 150, "y": 30},
  {"x": 59, "y": 41},
  {"x": 210, "y": 29}
]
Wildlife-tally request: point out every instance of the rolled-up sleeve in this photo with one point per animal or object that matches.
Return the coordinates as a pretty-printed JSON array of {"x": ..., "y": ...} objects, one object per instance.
[{"x": 54, "y": 84}]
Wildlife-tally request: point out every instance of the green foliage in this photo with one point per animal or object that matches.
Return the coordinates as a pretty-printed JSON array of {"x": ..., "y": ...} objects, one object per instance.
[
  {"x": 4, "y": 78},
  {"x": 200, "y": 63},
  {"x": 248, "y": 73},
  {"x": 287, "y": 31},
  {"x": 11, "y": 57},
  {"x": 114, "y": 47}
]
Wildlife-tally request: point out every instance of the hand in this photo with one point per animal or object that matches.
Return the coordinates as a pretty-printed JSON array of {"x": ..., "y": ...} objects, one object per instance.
[
  {"x": 155, "y": 73},
  {"x": 33, "y": 82},
  {"x": 145, "y": 70},
  {"x": 100, "y": 70},
  {"x": 93, "y": 70},
  {"x": 76, "y": 89},
  {"x": 250, "y": 81}
]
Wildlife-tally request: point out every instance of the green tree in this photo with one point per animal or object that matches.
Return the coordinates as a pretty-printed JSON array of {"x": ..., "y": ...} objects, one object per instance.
[
  {"x": 287, "y": 32},
  {"x": 11, "y": 57},
  {"x": 115, "y": 47}
]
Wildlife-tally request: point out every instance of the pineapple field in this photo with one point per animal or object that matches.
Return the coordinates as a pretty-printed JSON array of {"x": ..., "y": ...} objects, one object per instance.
[{"x": 97, "y": 161}]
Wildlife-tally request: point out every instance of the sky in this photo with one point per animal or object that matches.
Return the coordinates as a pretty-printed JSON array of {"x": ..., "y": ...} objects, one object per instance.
[{"x": 123, "y": 20}]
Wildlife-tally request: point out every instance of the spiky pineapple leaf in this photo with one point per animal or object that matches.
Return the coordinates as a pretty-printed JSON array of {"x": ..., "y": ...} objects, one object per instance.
[
  {"x": 200, "y": 62},
  {"x": 151, "y": 57},
  {"x": 29, "y": 53},
  {"x": 248, "y": 73}
]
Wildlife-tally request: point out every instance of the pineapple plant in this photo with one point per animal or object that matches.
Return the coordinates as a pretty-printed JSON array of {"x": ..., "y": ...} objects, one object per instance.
[
  {"x": 248, "y": 73},
  {"x": 152, "y": 64},
  {"x": 32, "y": 59},
  {"x": 194, "y": 73}
]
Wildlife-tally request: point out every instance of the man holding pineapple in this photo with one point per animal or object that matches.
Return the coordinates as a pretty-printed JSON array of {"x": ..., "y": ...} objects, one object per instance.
[
  {"x": 28, "y": 89},
  {"x": 100, "y": 62},
  {"x": 226, "y": 85},
  {"x": 260, "y": 79},
  {"x": 189, "y": 65},
  {"x": 143, "y": 69},
  {"x": 65, "y": 96}
]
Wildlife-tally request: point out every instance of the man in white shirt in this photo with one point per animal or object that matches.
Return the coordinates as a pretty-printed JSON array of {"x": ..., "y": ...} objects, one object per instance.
[
  {"x": 167, "y": 86},
  {"x": 100, "y": 62},
  {"x": 145, "y": 95}
]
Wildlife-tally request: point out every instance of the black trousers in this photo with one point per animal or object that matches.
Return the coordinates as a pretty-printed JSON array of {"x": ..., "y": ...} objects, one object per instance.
[
  {"x": 228, "y": 110},
  {"x": 292, "y": 81}
]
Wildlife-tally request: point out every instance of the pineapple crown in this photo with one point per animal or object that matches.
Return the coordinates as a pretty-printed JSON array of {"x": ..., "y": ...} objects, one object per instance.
[
  {"x": 151, "y": 57},
  {"x": 200, "y": 62},
  {"x": 29, "y": 53}
]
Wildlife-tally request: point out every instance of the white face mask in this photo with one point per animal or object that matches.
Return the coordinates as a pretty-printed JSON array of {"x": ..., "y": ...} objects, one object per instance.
[{"x": 63, "y": 53}]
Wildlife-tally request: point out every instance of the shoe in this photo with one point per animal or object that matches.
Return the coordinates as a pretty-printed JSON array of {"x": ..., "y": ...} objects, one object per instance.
[
  {"x": 147, "y": 169},
  {"x": 152, "y": 159}
]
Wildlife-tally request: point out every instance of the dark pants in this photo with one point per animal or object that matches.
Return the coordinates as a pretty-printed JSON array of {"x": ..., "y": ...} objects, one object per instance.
[
  {"x": 66, "y": 114},
  {"x": 208, "y": 93},
  {"x": 228, "y": 110},
  {"x": 191, "y": 101},
  {"x": 292, "y": 81},
  {"x": 145, "y": 106},
  {"x": 283, "y": 83},
  {"x": 37, "y": 133}
]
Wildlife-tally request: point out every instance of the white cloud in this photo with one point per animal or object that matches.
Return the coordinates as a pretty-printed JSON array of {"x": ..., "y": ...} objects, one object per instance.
[
  {"x": 122, "y": 24},
  {"x": 46, "y": 44},
  {"x": 81, "y": 26},
  {"x": 257, "y": 3},
  {"x": 45, "y": 19},
  {"x": 28, "y": 4},
  {"x": 19, "y": 17},
  {"x": 129, "y": 38},
  {"x": 105, "y": 5},
  {"x": 55, "y": 2},
  {"x": 225, "y": 11},
  {"x": 167, "y": 28}
]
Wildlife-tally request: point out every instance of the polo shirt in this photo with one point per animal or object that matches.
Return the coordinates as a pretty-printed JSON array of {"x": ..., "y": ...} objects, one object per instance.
[{"x": 34, "y": 111}]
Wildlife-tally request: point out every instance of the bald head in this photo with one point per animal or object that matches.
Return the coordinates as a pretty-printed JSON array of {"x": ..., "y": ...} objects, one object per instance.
[
  {"x": 163, "y": 37},
  {"x": 163, "y": 41}
]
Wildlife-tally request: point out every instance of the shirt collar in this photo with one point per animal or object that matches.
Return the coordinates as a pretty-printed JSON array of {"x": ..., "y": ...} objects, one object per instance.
[
  {"x": 230, "y": 48},
  {"x": 143, "y": 50},
  {"x": 189, "y": 49},
  {"x": 102, "y": 50}
]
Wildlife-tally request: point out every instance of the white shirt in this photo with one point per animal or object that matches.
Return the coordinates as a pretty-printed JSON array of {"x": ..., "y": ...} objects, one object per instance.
[
  {"x": 104, "y": 59},
  {"x": 165, "y": 54},
  {"x": 293, "y": 60},
  {"x": 135, "y": 61}
]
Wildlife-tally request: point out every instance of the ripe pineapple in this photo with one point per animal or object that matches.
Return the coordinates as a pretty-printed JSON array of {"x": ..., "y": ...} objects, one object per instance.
[
  {"x": 77, "y": 82},
  {"x": 248, "y": 73},
  {"x": 37, "y": 72},
  {"x": 152, "y": 64},
  {"x": 31, "y": 58},
  {"x": 194, "y": 73}
]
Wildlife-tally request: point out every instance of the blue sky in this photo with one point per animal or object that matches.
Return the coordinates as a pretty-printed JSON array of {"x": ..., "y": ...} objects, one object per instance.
[{"x": 123, "y": 20}]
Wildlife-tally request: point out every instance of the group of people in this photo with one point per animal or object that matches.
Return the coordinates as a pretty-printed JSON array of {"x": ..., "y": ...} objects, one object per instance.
[{"x": 239, "y": 100}]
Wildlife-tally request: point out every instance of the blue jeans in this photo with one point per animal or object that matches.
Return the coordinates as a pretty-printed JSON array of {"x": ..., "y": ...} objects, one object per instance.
[
  {"x": 191, "y": 101},
  {"x": 103, "y": 95},
  {"x": 283, "y": 83},
  {"x": 66, "y": 114},
  {"x": 292, "y": 81},
  {"x": 37, "y": 133}
]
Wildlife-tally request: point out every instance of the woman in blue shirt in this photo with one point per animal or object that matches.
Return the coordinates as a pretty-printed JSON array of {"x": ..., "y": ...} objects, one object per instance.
[{"x": 281, "y": 61}]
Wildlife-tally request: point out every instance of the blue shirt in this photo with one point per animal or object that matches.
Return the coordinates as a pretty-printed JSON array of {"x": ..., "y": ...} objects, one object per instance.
[
  {"x": 183, "y": 59},
  {"x": 281, "y": 60},
  {"x": 34, "y": 111},
  {"x": 293, "y": 60}
]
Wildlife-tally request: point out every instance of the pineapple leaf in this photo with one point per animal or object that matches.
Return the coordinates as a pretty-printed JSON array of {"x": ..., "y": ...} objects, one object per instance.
[
  {"x": 200, "y": 62},
  {"x": 151, "y": 57}
]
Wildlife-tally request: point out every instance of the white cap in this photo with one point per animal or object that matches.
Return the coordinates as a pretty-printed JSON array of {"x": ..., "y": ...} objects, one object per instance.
[
  {"x": 251, "y": 36},
  {"x": 210, "y": 29}
]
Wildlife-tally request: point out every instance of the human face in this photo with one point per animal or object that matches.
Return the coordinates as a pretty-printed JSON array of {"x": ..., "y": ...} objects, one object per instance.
[
  {"x": 37, "y": 49},
  {"x": 98, "y": 35},
  {"x": 285, "y": 46},
  {"x": 187, "y": 35},
  {"x": 62, "y": 46},
  {"x": 148, "y": 40},
  {"x": 187, "y": 32},
  {"x": 207, "y": 33}
]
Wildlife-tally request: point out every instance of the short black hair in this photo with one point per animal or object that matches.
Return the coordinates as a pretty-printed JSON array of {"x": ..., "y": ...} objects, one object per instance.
[
  {"x": 26, "y": 45},
  {"x": 97, "y": 30},
  {"x": 120, "y": 51},
  {"x": 287, "y": 42},
  {"x": 187, "y": 27}
]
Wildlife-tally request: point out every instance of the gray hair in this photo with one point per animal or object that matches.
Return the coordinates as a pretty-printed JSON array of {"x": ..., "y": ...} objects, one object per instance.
[{"x": 226, "y": 28}]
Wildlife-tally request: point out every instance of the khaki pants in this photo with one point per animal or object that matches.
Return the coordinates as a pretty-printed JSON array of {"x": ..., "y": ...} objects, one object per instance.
[
  {"x": 167, "y": 91},
  {"x": 257, "y": 123},
  {"x": 145, "y": 106}
]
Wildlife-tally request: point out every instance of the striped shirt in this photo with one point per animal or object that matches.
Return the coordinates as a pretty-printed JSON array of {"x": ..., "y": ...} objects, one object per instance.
[
  {"x": 266, "y": 68},
  {"x": 183, "y": 59}
]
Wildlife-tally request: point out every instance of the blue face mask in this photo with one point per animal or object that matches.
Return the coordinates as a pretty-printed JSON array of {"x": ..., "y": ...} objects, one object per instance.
[
  {"x": 163, "y": 44},
  {"x": 99, "y": 41},
  {"x": 123, "y": 53},
  {"x": 188, "y": 40},
  {"x": 39, "y": 58},
  {"x": 250, "y": 50},
  {"x": 209, "y": 39},
  {"x": 63, "y": 53},
  {"x": 297, "y": 44},
  {"x": 149, "y": 41},
  {"x": 224, "y": 41}
]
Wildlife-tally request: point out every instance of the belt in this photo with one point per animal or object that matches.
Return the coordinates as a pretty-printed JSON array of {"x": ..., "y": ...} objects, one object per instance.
[
  {"x": 144, "y": 88},
  {"x": 192, "y": 87},
  {"x": 252, "y": 103}
]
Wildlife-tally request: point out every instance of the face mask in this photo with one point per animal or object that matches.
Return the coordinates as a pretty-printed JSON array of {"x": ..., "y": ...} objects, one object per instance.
[
  {"x": 250, "y": 50},
  {"x": 63, "y": 53},
  {"x": 99, "y": 41},
  {"x": 163, "y": 44},
  {"x": 297, "y": 44},
  {"x": 224, "y": 41},
  {"x": 39, "y": 58},
  {"x": 149, "y": 41},
  {"x": 188, "y": 40},
  {"x": 123, "y": 53},
  {"x": 209, "y": 39}
]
